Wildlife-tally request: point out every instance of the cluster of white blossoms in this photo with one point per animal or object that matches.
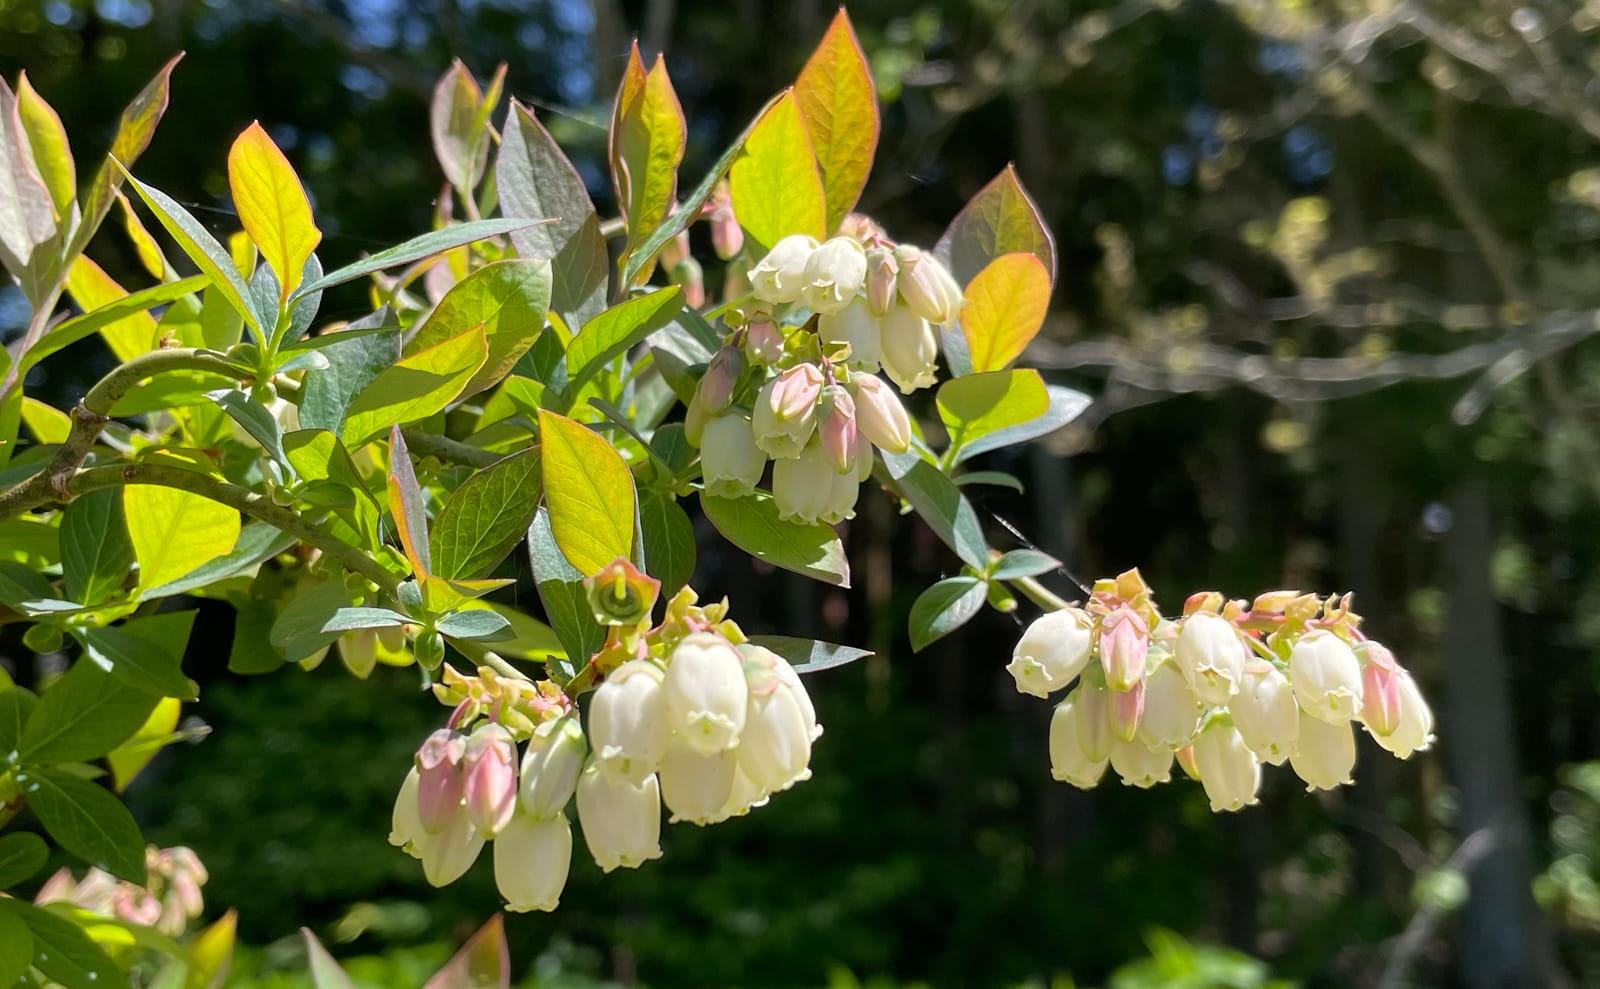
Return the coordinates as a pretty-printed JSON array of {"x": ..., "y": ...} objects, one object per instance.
[
  {"x": 687, "y": 713},
  {"x": 1221, "y": 690},
  {"x": 797, "y": 382}
]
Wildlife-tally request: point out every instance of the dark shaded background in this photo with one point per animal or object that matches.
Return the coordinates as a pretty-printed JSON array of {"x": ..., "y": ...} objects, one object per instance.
[{"x": 1331, "y": 279}]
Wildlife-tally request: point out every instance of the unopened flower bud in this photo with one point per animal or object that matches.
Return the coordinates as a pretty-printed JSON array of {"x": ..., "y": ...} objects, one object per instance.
[
  {"x": 1093, "y": 721},
  {"x": 1325, "y": 753},
  {"x": 429, "y": 649},
  {"x": 705, "y": 692},
  {"x": 1139, "y": 765},
  {"x": 550, "y": 766},
  {"x": 882, "y": 270},
  {"x": 441, "y": 779},
  {"x": 837, "y": 429},
  {"x": 834, "y": 274},
  {"x": 857, "y": 328},
  {"x": 1211, "y": 655},
  {"x": 785, "y": 411},
  {"x": 1052, "y": 651},
  {"x": 1414, "y": 730},
  {"x": 880, "y": 415},
  {"x": 405, "y": 826},
  {"x": 531, "y": 861},
  {"x": 779, "y": 277},
  {"x": 861, "y": 227},
  {"x": 927, "y": 286},
  {"x": 1265, "y": 713},
  {"x": 490, "y": 790},
  {"x": 1326, "y": 677},
  {"x": 358, "y": 650},
  {"x": 763, "y": 342},
  {"x": 1069, "y": 763},
  {"x": 620, "y": 594},
  {"x": 621, "y": 822},
  {"x": 803, "y": 488},
  {"x": 1171, "y": 709},
  {"x": 628, "y": 721},
  {"x": 1203, "y": 601},
  {"x": 1227, "y": 768},
  {"x": 1124, "y": 642},
  {"x": 1274, "y": 602},
  {"x": 1127, "y": 711},
  {"x": 1380, "y": 689},
  {"x": 910, "y": 350},
  {"x": 727, "y": 237},
  {"x": 716, "y": 386},
  {"x": 674, "y": 251},
  {"x": 696, "y": 786},
  {"x": 731, "y": 464},
  {"x": 775, "y": 746}
]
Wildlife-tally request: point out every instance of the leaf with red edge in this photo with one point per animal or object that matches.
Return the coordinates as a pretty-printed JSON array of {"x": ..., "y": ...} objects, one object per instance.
[
  {"x": 484, "y": 962},
  {"x": 840, "y": 107},
  {"x": 648, "y": 136},
  {"x": 405, "y": 504},
  {"x": 1000, "y": 219}
]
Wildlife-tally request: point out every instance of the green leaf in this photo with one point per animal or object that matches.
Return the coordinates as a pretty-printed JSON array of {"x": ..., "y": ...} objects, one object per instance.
[
  {"x": 96, "y": 553},
  {"x": 298, "y": 633},
  {"x": 1023, "y": 563},
  {"x": 809, "y": 655},
  {"x": 562, "y": 593},
  {"x": 1000, "y": 219},
  {"x": 84, "y": 715},
  {"x": 253, "y": 653},
  {"x": 351, "y": 619},
  {"x": 668, "y": 540},
  {"x": 86, "y": 820},
  {"x": 416, "y": 387},
  {"x": 209, "y": 256},
  {"x": 47, "y": 423},
  {"x": 210, "y": 954},
  {"x": 1006, "y": 305},
  {"x": 752, "y": 524},
  {"x": 355, "y": 359},
  {"x": 22, "y": 855},
  {"x": 775, "y": 185},
  {"x": 617, "y": 329},
  {"x": 52, "y": 155},
  {"x": 258, "y": 542},
  {"x": 159, "y": 730},
  {"x": 32, "y": 543},
  {"x": 530, "y": 639},
  {"x": 458, "y": 119},
  {"x": 589, "y": 492},
  {"x": 16, "y": 945},
  {"x": 486, "y": 517},
  {"x": 61, "y": 949},
  {"x": 325, "y": 972},
  {"x": 535, "y": 180},
  {"x": 507, "y": 300},
  {"x": 92, "y": 322},
  {"x": 1065, "y": 406},
  {"x": 941, "y": 504},
  {"x": 146, "y": 653},
  {"x": 415, "y": 249},
  {"x": 997, "y": 478},
  {"x": 979, "y": 404},
  {"x": 21, "y": 587},
  {"x": 943, "y": 608},
  {"x": 475, "y": 623},
  {"x": 648, "y": 135},
  {"x": 272, "y": 206},
  {"x": 840, "y": 107},
  {"x": 16, "y": 706},
  {"x": 254, "y": 418},
  {"x": 174, "y": 531},
  {"x": 27, "y": 217},
  {"x": 483, "y": 962}
]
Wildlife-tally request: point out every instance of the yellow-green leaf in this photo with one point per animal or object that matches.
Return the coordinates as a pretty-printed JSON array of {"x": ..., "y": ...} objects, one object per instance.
[
  {"x": 840, "y": 107},
  {"x": 156, "y": 733},
  {"x": 775, "y": 185},
  {"x": 92, "y": 288},
  {"x": 47, "y": 423},
  {"x": 272, "y": 206},
  {"x": 979, "y": 404},
  {"x": 1006, "y": 305},
  {"x": 144, "y": 245},
  {"x": 648, "y": 135},
  {"x": 175, "y": 531},
  {"x": 211, "y": 953},
  {"x": 416, "y": 387},
  {"x": 589, "y": 492},
  {"x": 52, "y": 155},
  {"x": 507, "y": 299},
  {"x": 1000, "y": 219}
]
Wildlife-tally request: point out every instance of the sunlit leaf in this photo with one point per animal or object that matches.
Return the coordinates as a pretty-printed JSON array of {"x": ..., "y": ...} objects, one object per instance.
[
  {"x": 809, "y": 655},
  {"x": 113, "y": 317},
  {"x": 84, "y": 715},
  {"x": 146, "y": 653},
  {"x": 561, "y": 592},
  {"x": 130, "y": 757},
  {"x": 406, "y": 506},
  {"x": 87, "y": 820},
  {"x": 131, "y": 334},
  {"x": 840, "y": 107},
  {"x": 1006, "y": 305},
  {"x": 61, "y": 950},
  {"x": 486, "y": 516},
  {"x": 1000, "y": 219},
  {"x": 325, "y": 972},
  {"x": 458, "y": 118},
  {"x": 211, "y": 952},
  {"x": 47, "y": 423},
  {"x": 174, "y": 531},
  {"x": 941, "y": 504},
  {"x": 980, "y": 404},
  {"x": 52, "y": 155},
  {"x": 617, "y": 329},
  {"x": 943, "y": 608},
  {"x": 484, "y": 962},
  {"x": 507, "y": 300},
  {"x": 272, "y": 206},
  {"x": 1065, "y": 406},
  {"x": 589, "y": 492},
  {"x": 775, "y": 185},
  {"x": 648, "y": 135},
  {"x": 416, "y": 387},
  {"x": 419, "y": 247},
  {"x": 752, "y": 524},
  {"x": 27, "y": 217}
]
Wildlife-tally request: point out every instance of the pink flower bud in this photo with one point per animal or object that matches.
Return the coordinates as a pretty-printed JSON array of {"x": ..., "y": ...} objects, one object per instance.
[
  {"x": 1127, "y": 711},
  {"x": 796, "y": 392},
  {"x": 674, "y": 251},
  {"x": 727, "y": 237},
  {"x": 692, "y": 277},
  {"x": 722, "y": 376},
  {"x": 926, "y": 285},
  {"x": 440, "y": 779},
  {"x": 1124, "y": 640},
  {"x": 882, "y": 278},
  {"x": 837, "y": 430},
  {"x": 763, "y": 342},
  {"x": 861, "y": 227},
  {"x": 880, "y": 416},
  {"x": 491, "y": 779},
  {"x": 1380, "y": 689}
]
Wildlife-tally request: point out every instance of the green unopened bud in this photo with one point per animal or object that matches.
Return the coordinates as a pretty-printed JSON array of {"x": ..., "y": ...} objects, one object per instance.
[
  {"x": 280, "y": 495},
  {"x": 621, "y": 595},
  {"x": 263, "y": 393},
  {"x": 429, "y": 649},
  {"x": 42, "y": 638}
]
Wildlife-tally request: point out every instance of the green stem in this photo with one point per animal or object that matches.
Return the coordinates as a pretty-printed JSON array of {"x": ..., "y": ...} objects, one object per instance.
[
  {"x": 454, "y": 451},
  {"x": 1039, "y": 594},
  {"x": 104, "y": 395}
]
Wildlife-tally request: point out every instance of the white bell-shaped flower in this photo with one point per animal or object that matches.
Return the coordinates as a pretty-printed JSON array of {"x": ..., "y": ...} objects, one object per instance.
[
  {"x": 1068, "y": 762},
  {"x": 621, "y": 822},
  {"x": 775, "y": 746},
  {"x": 1414, "y": 730},
  {"x": 531, "y": 861},
  {"x": 696, "y": 787},
  {"x": 550, "y": 766},
  {"x": 730, "y": 461},
  {"x": 834, "y": 275},
  {"x": 745, "y": 797},
  {"x": 1228, "y": 769},
  {"x": 706, "y": 694},
  {"x": 808, "y": 489},
  {"x": 854, "y": 326},
  {"x": 1093, "y": 721},
  {"x": 406, "y": 825},
  {"x": 446, "y": 856},
  {"x": 1327, "y": 677},
  {"x": 1140, "y": 765},
  {"x": 842, "y": 496},
  {"x": 1171, "y": 709},
  {"x": 780, "y": 276},
  {"x": 782, "y": 430},
  {"x": 1053, "y": 650},
  {"x": 1266, "y": 713},
  {"x": 1326, "y": 753},
  {"x": 789, "y": 678},
  {"x": 910, "y": 350},
  {"x": 1211, "y": 655},
  {"x": 628, "y": 724}
]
